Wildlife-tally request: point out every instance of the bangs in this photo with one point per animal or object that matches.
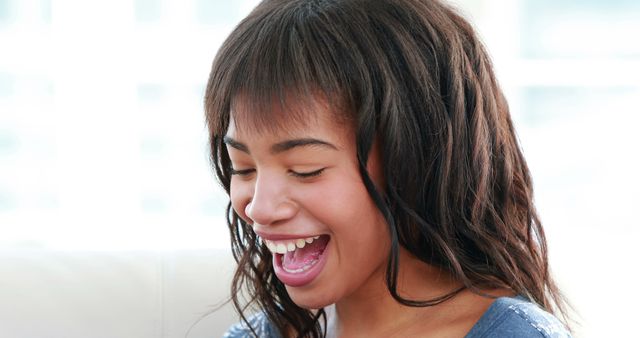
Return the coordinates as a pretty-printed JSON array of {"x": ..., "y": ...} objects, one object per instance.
[{"x": 275, "y": 67}]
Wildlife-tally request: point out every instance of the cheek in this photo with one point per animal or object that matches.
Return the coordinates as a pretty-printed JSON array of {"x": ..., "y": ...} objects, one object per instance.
[
  {"x": 361, "y": 220},
  {"x": 240, "y": 196},
  {"x": 348, "y": 209}
]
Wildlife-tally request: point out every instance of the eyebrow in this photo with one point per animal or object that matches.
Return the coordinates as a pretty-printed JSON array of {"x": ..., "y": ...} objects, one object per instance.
[
  {"x": 235, "y": 144},
  {"x": 283, "y": 146}
]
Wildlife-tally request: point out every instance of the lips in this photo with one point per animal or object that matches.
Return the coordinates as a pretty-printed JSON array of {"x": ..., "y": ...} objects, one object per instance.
[{"x": 302, "y": 261}]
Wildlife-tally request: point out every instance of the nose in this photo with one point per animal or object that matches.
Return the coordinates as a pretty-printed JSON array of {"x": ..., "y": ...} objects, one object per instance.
[{"x": 270, "y": 203}]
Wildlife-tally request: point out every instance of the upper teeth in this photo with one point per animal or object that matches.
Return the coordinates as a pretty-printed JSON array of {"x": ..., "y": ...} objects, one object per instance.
[{"x": 284, "y": 246}]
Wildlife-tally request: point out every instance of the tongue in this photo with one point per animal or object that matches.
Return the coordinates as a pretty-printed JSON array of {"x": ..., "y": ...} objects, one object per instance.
[{"x": 294, "y": 260}]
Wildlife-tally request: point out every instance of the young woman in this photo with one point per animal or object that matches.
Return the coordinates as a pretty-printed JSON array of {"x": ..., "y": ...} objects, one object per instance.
[{"x": 376, "y": 183}]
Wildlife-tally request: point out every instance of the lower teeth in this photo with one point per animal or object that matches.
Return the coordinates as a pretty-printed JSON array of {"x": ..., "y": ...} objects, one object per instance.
[{"x": 302, "y": 269}]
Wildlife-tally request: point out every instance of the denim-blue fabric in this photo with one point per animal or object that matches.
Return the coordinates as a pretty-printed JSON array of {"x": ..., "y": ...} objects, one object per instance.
[
  {"x": 517, "y": 317},
  {"x": 506, "y": 317}
]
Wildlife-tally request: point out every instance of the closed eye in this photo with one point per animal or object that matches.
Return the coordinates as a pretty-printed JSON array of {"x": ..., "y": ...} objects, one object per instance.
[
  {"x": 243, "y": 172},
  {"x": 308, "y": 174}
]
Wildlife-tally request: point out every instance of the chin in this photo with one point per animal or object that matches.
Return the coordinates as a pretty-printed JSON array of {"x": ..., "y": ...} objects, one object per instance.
[{"x": 309, "y": 299}]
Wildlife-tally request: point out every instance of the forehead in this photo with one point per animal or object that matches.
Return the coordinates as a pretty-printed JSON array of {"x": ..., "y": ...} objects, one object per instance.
[{"x": 287, "y": 117}]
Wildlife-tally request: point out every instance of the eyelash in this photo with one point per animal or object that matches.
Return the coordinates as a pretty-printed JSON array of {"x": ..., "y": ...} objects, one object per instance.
[
  {"x": 244, "y": 172},
  {"x": 247, "y": 172},
  {"x": 307, "y": 174}
]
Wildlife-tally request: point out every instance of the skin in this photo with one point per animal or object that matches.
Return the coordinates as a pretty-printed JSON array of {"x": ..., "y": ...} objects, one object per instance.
[{"x": 269, "y": 193}]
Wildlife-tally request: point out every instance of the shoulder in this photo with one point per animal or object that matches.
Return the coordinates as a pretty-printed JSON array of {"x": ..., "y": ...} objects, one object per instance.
[
  {"x": 260, "y": 324},
  {"x": 517, "y": 317}
]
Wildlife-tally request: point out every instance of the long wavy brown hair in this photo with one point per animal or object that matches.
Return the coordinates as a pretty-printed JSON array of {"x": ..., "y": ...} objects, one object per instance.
[{"x": 413, "y": 75}]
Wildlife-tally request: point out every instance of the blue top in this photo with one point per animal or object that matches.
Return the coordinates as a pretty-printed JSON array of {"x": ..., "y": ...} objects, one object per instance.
[{"x": 506, "y": 317}]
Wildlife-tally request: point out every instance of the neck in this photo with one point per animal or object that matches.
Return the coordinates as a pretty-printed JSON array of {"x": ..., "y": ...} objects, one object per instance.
[{"x": 372, "y": 311}]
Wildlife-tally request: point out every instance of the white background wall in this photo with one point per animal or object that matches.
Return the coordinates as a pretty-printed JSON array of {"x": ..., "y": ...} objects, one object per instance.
[{"x": 111, "y": 222}]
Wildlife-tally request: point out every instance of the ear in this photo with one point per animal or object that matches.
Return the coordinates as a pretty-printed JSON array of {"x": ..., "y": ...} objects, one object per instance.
[{"x": 374, "y": 166}]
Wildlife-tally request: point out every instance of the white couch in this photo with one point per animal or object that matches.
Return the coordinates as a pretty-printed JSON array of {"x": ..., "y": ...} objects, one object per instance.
[{"x": 72, "y": 294}]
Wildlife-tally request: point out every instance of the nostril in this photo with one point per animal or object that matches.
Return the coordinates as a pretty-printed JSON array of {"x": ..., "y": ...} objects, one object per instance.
[
  {"x": 254, "y": 214},
  {"x": 247, "y": 209},
  {"x": 270, "y": 209}
]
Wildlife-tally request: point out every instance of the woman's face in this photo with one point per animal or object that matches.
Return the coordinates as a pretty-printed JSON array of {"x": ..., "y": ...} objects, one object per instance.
[{"x": 301, "y": 190}]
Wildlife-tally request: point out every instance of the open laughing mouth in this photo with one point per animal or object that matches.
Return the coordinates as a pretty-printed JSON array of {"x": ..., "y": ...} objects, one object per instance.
[{"x": 297, "y": 262}]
